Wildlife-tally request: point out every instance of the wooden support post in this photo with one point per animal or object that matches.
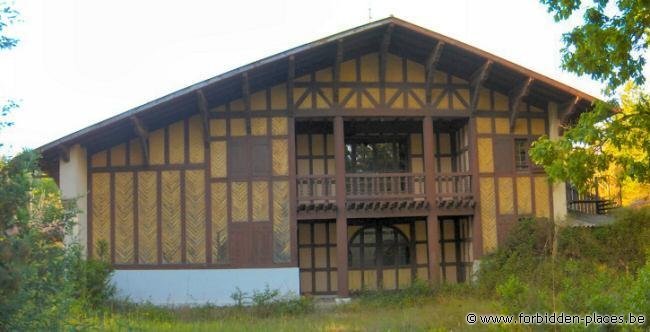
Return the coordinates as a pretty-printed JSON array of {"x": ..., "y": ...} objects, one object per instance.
[
  {"x": 516, "y": 95},
  {"x": 341, "y": 218},
  {"x": 143, "y": 134},
  {"x": 476, "y": 82},
  {"x": 205, "y": 113},
  {"x": 291, "y": 74},
  {"x": 432, "y": 62},
  {"x": 337, "y": 72},
  {"x": 383, "y": 56},
  {"x": 433, "y": 226},
  {"x": 568, "y": 109},
  {"x": 477, "y": 233},
  {"x": 64, "y": 152}
]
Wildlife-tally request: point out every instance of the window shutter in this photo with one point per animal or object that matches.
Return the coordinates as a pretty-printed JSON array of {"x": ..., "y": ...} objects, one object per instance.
[{"x": 504, "y": 155}]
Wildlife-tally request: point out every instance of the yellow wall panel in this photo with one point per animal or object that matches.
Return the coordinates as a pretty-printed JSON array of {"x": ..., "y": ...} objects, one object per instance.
[
  {"x": 219, "y": 212},
  {"x": 218, "y": 127},
  {"x": 101, "y": 211},
  {"x": 348, "y": 71},
  {"x": 177, "y": 143},
  {"x": 118, "y": 155},
  {"x": 404, "y": 277},
  {"x": 258, "y": 101},
  {"x": 306, "y": 282},
  {"x": 506, "y": 199},
  {"x": 502, "y": 126},
  {"x": 521, "y": 127},
  {"x": 135, "y": 152},
  {"x": 260, "y": 201},
  {"x": 457, "y": 104},
  {"x": 279, "y": 97},
  {"x": 488, "y": 214},
  {"x": 370, "y": 68},
  {"x": 171, "y": 216},
  {"x": 237, "y": 127},
  {"x": 239, "y": 194},
  {"x": 423, "y": 273},
  {"x": 324, "y": 75},
  {"x": 317, "y": 145},
  {"x": 354, "y": 280},
  {"x": 98, "y": 159},
  {"x": 124, "y": 240},
  {"x": 524, "y": 201},
  {"x": 298, "y": 94},
  {"x": 258, "y": 126},
  {"x": 219, "y": 159},
  {"x": 280, "y": 156},
  {"x": 321, "y": 281},
  {"x": 485, "y": 155},
  {"x": 237, "y": 105},
  {"x": 394, "y": 69},
  {"x": 416, "y": 143},
  {"x": 484, "y": 125},
  {"x": 538, "y": 126},
  {"x": 390, "y": 279},
  {"x": 157, "y": 147},
  {"x": 195, "y": 216},
  {"x": 542, "y": 199},
  {"x": 279, "y": 126},
  {"x": 370, "y": 279},
  {"x": 414, "y": 72},
  {"x": 147, "y": 217},
  {"x": 484, "y": 100},
  {"x": 196, "y": 143},
  {"x": 501, "y": 102},
  {"x": 281, "y": 223},
  {"x": 302, "y": 145}
]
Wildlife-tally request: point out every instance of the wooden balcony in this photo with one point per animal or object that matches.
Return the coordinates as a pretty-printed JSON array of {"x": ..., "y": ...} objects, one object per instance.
[{"x": 384, "y": 192}]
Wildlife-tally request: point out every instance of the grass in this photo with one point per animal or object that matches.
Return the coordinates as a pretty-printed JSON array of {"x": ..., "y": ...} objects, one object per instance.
[{"x": 380, "y": 311}]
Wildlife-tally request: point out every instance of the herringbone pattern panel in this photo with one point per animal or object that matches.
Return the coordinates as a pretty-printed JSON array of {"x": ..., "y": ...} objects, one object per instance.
[
  {"x": 488, "y": 214},
  {"x": 281, "y": 229},
  {"x": 147, "y": 217},
  {"x": 124, "y": 241},
  {"x": 219, "y": 205},
  {"x": 195, "y": 216},
  {"x": 101, "y": 210},
  {"x": 171, "y": 217}
]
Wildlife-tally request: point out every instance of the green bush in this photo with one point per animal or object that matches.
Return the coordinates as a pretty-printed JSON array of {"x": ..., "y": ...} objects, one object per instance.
[{"x": 602, "y": 269}]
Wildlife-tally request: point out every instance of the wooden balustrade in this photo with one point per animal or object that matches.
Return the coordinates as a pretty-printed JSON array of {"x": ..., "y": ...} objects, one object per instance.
[{"x": 384, "y": 186}]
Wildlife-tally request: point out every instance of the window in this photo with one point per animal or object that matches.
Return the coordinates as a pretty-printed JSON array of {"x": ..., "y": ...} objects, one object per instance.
[
  {"x": 521, "y": 154},
  {"x": 378, "y": 155},
  {"x": 379, "y": 245}
]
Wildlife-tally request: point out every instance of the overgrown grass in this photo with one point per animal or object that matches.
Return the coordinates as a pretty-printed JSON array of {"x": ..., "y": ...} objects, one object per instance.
[{"x": 413, "y": 309}]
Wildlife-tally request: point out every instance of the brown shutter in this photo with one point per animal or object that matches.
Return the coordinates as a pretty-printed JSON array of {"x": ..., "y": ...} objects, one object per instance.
[
  {"x": 239, "y": 158},
  {"x": 261, "y": 157},
  {"x": 504, "y": 155}
]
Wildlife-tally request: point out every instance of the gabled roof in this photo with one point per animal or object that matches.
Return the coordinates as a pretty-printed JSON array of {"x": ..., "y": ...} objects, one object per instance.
[{"x": 407, "y": 39}]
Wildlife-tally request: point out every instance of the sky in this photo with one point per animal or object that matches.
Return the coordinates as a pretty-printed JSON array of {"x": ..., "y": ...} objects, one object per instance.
[{"x": 80, "y": 62}]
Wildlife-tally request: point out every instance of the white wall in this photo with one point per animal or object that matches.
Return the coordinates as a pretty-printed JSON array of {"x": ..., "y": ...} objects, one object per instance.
[
  {"x": 559, "y": 189},
  {"x": 72, "y": 182},
  {"x": 201, "y": 286}
]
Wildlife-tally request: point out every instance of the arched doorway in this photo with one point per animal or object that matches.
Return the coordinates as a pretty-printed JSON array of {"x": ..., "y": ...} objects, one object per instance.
[{"x": 384, "y": 255}]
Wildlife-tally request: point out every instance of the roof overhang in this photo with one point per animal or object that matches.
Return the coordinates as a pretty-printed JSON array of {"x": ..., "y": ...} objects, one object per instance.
[{"x": 406, "y": 39}]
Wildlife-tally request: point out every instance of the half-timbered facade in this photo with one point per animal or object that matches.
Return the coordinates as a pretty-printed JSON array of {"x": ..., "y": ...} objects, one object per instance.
[{"x": 366, "y": 160}]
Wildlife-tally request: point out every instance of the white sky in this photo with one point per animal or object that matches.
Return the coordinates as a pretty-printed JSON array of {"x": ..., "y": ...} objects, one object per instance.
[{"x": 79, "y": 62}]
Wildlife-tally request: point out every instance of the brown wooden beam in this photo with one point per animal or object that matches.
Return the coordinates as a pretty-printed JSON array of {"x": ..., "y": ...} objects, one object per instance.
[
  {"x": 569, "y": 108},
  {"x": 341, "y": 216},
  {"x": 476, "y": 82},
  {"x": 432, "y": 62},
  {"x": 64, "y": 152},
  {"x": 383, "y": 55},
  {"x": 516, "y": 96},
  {"x": 142, "y": 133},
  {"x": 205, "y": 113},
  {"x": 291, "y": 74},
  {"x": 433, "y": 227},
  {"x": 337, "y": 72}
]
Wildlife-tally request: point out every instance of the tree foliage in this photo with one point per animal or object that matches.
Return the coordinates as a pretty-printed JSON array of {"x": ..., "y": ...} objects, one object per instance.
[
  {"x": 612, "y": 139},
  {"x": 610, "y": 45},
  {"x": 600, "y": 143}
]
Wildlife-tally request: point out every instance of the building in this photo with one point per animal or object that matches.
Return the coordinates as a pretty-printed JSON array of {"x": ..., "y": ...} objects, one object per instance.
[{"x": 366, "y": 159}]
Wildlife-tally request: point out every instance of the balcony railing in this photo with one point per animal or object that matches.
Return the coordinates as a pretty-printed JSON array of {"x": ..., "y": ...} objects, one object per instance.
[{"x": 450, "y": 187}]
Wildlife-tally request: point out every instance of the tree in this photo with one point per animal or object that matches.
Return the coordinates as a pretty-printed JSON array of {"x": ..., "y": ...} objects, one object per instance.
[{"x": 610, "y": 47}]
